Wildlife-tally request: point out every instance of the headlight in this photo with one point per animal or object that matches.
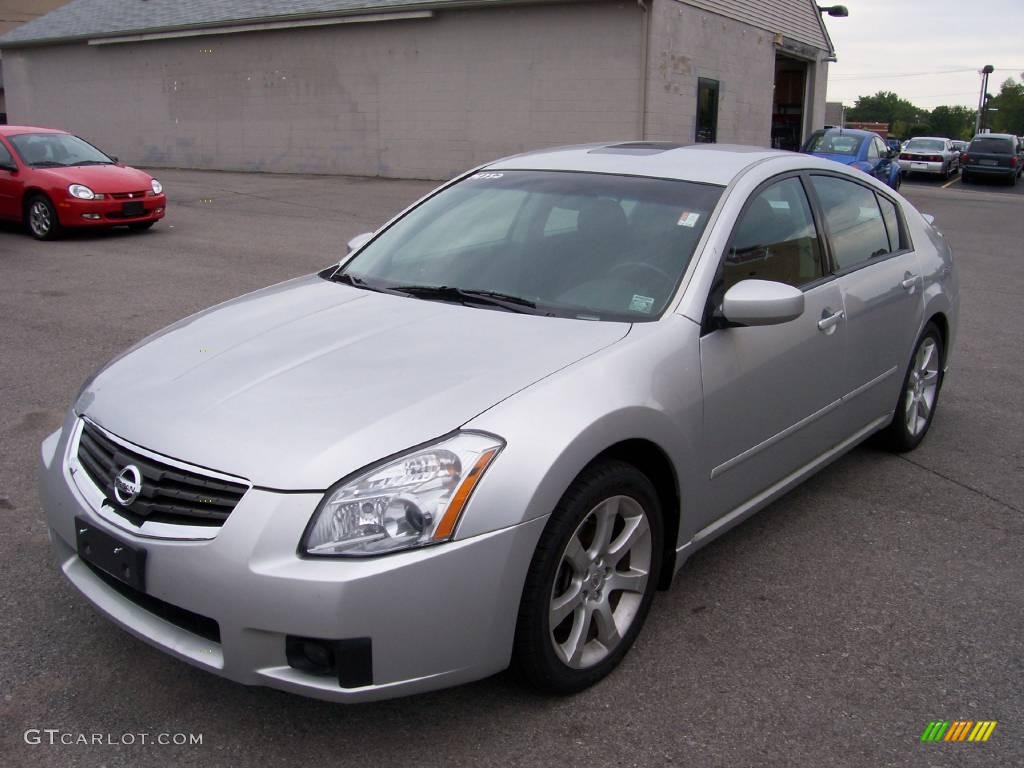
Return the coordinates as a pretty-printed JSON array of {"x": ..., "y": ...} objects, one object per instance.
[
  {"x": 82, "y": 192},
  {"x": 411, "y": 501},
  {"x": 156, "y": 186}
]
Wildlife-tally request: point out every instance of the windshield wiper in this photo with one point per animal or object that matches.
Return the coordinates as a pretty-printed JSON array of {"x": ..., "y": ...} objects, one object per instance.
[
  {"x": 47, "y": 164},
  {"x": 469, "y": 296},
  {"x": 358, "y": 282},
  {"x": 92, "y": 162}
]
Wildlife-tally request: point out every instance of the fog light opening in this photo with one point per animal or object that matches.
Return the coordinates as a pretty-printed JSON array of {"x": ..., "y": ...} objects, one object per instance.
[
  {"x": 311, "y": 655},
  {"x": 91, "y": 216}
]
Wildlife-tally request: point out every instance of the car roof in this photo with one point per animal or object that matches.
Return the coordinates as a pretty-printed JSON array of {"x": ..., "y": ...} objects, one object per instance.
[
  {"x": 703, "y": 163},
  {"x": 932, "y": 138},
  {"x": 14, "y": 130},
  {"x": 994, "y": 136},
  {"x": 848, "y": 131}
]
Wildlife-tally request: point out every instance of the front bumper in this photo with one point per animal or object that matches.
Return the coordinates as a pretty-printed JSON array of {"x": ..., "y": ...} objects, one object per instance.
[
  {"x": 109, "y": 212},
  {"x": 436, "y": 617}
]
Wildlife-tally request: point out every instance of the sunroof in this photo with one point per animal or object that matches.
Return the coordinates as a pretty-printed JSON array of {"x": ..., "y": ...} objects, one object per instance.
[{"x": 636, "y": 148}]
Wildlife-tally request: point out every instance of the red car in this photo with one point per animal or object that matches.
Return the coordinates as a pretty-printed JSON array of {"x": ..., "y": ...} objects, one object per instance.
[{"x": 50, "y": 180}]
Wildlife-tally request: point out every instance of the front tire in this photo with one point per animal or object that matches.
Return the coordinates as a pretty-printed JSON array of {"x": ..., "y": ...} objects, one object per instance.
[
  {"x": 591, "y": 581},
  {"x": 919, "y": 396},
  {"x": 41, "y": 218}
]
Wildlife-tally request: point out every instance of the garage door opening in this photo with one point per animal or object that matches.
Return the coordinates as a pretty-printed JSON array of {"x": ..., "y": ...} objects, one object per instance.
[{"x": 788, "y": 102}]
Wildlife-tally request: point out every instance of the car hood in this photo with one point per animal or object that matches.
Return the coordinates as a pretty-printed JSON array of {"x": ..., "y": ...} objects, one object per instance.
[
  {"x": 101, "y": 178},
  {"x": 844, "y": 159},
  {"x": 300, "y": 384}
]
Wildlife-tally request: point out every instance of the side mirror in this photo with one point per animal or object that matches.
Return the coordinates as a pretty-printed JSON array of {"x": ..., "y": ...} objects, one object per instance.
[
  {"x": 893, "y": 153},
  {"x": 359, "y": 241},
  {"x": 762, "y": 302}
]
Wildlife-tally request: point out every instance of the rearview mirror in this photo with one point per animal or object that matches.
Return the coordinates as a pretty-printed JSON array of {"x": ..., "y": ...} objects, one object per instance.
[
  {"x": 762, "y": 302},
  {"x": 359, "y": 241}
]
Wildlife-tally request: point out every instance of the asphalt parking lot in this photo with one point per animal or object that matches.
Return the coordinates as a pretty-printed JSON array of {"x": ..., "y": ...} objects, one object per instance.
[{"x": 826, "y": 631}]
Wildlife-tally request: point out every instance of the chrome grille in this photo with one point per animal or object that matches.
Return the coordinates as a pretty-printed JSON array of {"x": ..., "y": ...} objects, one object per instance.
[{"x": 168, "y": 495}]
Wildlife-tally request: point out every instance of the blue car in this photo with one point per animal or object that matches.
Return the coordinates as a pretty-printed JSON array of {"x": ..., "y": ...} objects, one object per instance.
[{"x": 863, "y": 150}]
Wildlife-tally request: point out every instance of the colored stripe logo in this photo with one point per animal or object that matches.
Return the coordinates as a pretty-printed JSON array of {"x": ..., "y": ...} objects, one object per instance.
[{"x": 959, "y": 730}]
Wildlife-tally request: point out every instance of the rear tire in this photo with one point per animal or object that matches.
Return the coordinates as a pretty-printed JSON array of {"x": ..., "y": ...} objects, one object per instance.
[
  {"x": 41, "y": 218},
  {"x": 919, "y": 395},
  {"x": 964, "y": 177},
  {"x": 591, "y": 581}
]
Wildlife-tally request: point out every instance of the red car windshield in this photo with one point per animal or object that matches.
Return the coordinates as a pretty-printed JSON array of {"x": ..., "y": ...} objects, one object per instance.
[{"x": 57, "y": 150}]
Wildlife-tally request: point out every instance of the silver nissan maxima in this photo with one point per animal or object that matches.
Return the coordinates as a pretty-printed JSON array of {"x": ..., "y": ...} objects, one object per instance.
[{"x": 503, "y": 421}]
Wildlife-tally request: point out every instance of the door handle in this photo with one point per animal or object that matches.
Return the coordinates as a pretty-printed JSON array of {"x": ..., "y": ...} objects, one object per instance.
[
  {"x": 830, "y": 321},
  {"x": 909, "y": 281}
]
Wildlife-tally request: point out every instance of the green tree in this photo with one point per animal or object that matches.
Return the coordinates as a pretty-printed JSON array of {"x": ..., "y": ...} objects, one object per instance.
[
  {"x": 953, "y": 122},
  {"x": 887, "y": 107},
  {"x": 1009, "y": 103}
]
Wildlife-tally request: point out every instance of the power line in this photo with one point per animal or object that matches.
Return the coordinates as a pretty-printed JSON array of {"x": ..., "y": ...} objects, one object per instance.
[{"x": 889, "y": 75}]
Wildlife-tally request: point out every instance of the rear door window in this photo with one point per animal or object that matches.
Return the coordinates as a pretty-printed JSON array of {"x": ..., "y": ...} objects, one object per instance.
[{"x": 853, "y": 220}]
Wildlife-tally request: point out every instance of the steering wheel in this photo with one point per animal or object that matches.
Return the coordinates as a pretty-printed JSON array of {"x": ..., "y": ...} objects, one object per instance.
[{"x": 641, "y": 266}]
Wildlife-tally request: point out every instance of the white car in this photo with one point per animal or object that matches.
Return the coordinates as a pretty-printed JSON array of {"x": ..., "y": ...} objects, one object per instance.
[{"x": 930, "y": 154}]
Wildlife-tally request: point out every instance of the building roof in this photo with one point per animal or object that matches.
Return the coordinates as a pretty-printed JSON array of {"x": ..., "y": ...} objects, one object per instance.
[
  {"x": 88, "y": 19},
  {"x": 703, "y": 163},
  {"x": 798, "y": 20}
]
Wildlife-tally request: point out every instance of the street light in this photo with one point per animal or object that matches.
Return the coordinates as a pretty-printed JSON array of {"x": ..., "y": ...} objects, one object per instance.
[
  {"x": 837, "y": 11},
  {"x": 987, "y": 70}
]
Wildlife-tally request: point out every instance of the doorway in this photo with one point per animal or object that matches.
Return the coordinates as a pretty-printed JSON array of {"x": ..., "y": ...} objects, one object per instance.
[{"x": 788, "y": 102}]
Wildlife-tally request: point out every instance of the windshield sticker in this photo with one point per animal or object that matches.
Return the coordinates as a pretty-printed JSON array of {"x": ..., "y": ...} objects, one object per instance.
[
  {"x": 642, "y": 303},
  {"x": 688, "y": 219},
  {"x": 487, "y": 175}
]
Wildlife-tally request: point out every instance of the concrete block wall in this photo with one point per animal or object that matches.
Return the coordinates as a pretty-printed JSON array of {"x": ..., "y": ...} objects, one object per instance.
[
  {"x": 422, "y": 98},
  {"x": 687, "y": 43}
]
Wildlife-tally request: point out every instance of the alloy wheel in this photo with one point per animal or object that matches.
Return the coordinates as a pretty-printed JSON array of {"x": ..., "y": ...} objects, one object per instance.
[
  {"x": 39, "y": 218},
  {"x": 922, "y": 388},
  {"x": 600, "y": 582}
]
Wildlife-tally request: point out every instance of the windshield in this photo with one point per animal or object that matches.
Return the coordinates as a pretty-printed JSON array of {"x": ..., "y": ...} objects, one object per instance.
[
  {"x": 834, "y": 144},
  {"x": 992, "y": 145},
  {"x": 585, "y": 245},
  {"x": 56, "y": 150},
  {"x": 925, "y": 145}
]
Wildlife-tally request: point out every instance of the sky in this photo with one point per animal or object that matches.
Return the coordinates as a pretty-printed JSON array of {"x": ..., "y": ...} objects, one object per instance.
[{"x": 927, "y": 51}]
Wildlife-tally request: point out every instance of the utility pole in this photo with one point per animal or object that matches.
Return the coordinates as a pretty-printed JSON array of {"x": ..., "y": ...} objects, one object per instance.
[{"x": 987, "y": 70}]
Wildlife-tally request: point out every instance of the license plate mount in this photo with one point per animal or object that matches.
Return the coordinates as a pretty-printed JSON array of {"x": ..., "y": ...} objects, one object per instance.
[
  {"x": 133, "y": 209},
  {"x": 111, "y": 555}
]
